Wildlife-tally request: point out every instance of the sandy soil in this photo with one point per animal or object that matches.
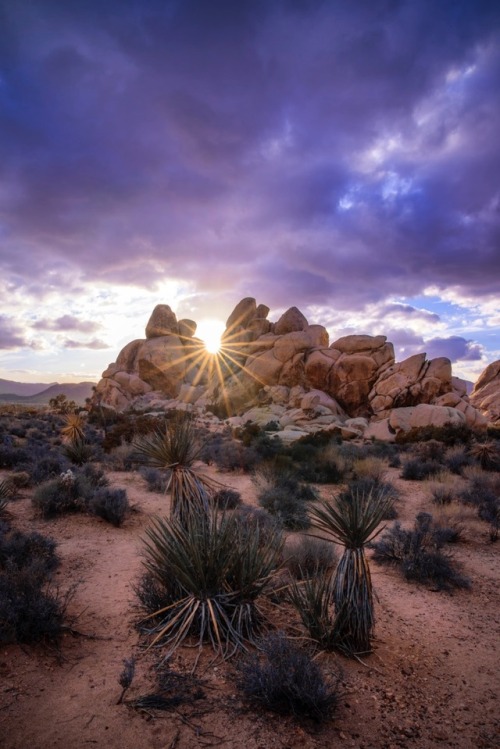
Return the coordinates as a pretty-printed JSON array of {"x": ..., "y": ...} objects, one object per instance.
[{"x": 433, "y": 680}]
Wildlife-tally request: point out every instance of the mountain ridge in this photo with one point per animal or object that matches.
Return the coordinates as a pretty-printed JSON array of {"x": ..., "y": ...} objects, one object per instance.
[{"x": 15, "y": 392}]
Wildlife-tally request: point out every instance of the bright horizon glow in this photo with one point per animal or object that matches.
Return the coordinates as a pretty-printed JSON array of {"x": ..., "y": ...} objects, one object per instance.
[{"x": 210, "y": 331}]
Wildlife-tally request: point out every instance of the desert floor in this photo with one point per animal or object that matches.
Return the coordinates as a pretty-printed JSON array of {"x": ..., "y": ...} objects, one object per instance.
[{"x": 433, "y": 680}]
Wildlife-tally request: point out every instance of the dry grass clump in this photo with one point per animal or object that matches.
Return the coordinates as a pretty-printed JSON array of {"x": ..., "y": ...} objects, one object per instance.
[{"x": 285, "y": 679}]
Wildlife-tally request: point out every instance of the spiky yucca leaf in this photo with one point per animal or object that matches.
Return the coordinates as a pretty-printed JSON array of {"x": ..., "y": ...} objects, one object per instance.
[
  {"x": 176, "y": 446},
  {"x": 312, "y": 598},
  {"x": 212, "y": 570},
  {"x": 175, "y": 450},
  {"x": 352, "y": 521},
  {"x": 487, "y": 454},
  {"x": 73, "y": 428}
]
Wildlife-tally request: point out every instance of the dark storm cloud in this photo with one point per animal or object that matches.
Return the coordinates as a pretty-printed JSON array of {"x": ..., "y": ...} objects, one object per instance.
[{"x": 154, "y": 139}]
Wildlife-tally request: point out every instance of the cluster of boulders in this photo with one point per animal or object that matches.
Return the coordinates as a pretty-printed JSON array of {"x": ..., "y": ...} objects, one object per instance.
[{"x": 288, "y": 373}]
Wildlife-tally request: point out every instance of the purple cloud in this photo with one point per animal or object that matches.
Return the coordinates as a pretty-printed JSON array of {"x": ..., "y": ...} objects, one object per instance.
[
  {"x": 11, "y": 335},
  {"x": 305, "y": 152},
  {"x": 95, "y": 344},
  {"x": 67, "y": 322}
]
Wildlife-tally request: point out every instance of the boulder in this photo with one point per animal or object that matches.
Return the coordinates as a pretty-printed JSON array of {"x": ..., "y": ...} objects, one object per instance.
[
  {"x": 187, "y": 328},
  {"x": 162, "y": 322},
  {"x": 409, "y": 383},
  {"x": 486, "y": 393},
  {"x": 161, "y": 363},
  {"x": 290, "y": 321},
  {"x": 352, "y": 344},
  {"x": 242, "y": 314},
  {"x": 264, "y": 369}
]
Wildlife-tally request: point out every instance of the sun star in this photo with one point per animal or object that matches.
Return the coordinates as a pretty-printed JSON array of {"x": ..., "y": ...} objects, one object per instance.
[{"x": 210, "y": 332}]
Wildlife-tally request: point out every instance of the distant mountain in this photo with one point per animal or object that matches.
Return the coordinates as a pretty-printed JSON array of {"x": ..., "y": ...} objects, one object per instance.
[
  {"x": 23, "y": 388},
  {"x": 75, "y": 391}
]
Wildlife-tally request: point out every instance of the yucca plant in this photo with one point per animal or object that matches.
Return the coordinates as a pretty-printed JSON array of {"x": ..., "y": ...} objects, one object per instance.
[
  {"x": 352, "y": 522},
  {"x": 487, "y": 454},
  {"x": 6, "y": 493},
  {"x": 209, "y": 571},
  {"x": 73, "y": 428},
  {"x": 312, "y": 598},
  {"x": 175, "y": 450}
]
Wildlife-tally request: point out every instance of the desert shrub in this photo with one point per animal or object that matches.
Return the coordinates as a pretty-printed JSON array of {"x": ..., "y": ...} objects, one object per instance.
[
  {"x": 430, "y": 450},
  {"x": 449, "y": 434},
  {"x": 92, "y": 475},
  {"x": 287, "y": 507},
  {"x": 11, "y": 456},
  {"x": 417, "y": 553},
  {"x": 171, "y": 690},
  {"x": 456, "y": 459},
  {"x": 19, "y": 550},
  {"x": 489, "y": 510},
  {"x": 416, "y": 469},
  {"x": 370, "y": 468},
  {"x": 228, "y": 454},
  {"x": 69, "y": 492},
  {"x": 110, "y": 505},
  {"x": 309, "y": 556},
  {"x": 258, "y": 520},
  {"x": 227, "y": 499},
  {"x": 156, "y": 480},
  {"x": 20, "y": 479},
  {"x": 368, "y": 485},
  {"x": 121, "y": 458},
  {"x": 57, "y": 497},
  {"x": 272, "y": 426},
  {"x": 210, "y": 570},
  {"x": 481, "y": 487},
  {"x": 29, "y": 610},
  {"x": 317, "y": 465},
  {"x": 285, "y": 679},
  {"x": 45, "y": 464},
  {"x": 443, "y": 494}
]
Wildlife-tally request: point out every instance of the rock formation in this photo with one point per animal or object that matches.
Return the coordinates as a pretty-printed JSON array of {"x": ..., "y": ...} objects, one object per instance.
[
  {"x": 486, "y": 393},
  {"x": 289, "y": 372}
]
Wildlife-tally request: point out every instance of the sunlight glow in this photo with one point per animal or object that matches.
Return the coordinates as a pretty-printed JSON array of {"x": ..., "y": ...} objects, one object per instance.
[{"x": 210, "y": 332}]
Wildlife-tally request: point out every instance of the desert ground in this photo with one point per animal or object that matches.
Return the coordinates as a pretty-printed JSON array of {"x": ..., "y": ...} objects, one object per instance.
[{"x": 432, "y": 680}]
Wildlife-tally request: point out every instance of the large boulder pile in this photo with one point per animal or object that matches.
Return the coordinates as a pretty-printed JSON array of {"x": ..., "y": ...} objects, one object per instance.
[{"x": 286, "y": 372}]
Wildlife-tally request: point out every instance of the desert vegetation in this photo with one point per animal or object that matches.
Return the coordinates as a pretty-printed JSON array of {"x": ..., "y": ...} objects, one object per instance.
[{"x": 265, "y": 557}]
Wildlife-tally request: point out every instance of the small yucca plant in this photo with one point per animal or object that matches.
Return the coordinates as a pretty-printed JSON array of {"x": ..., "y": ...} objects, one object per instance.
[
  {"x": 175, "y": 450},
  {"x": 73, "y": 428},
  {"x": 6, "y": 493},
  {"x": 487, "y": 454},
  {"x": 352, "y": 522},
  {"x": 208, "y": 571}
]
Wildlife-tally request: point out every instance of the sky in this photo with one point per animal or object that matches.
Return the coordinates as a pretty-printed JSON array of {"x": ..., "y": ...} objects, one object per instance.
[{"x": 341, "y": 157}]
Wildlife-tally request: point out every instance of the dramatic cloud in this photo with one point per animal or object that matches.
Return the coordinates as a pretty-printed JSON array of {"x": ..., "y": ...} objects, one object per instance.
[
  {"x": 314, "y": 153},
  {"x": 67, "y": 322},
  {"x": 11, "y": 335},
  {"x": 95, "y": 344}
]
